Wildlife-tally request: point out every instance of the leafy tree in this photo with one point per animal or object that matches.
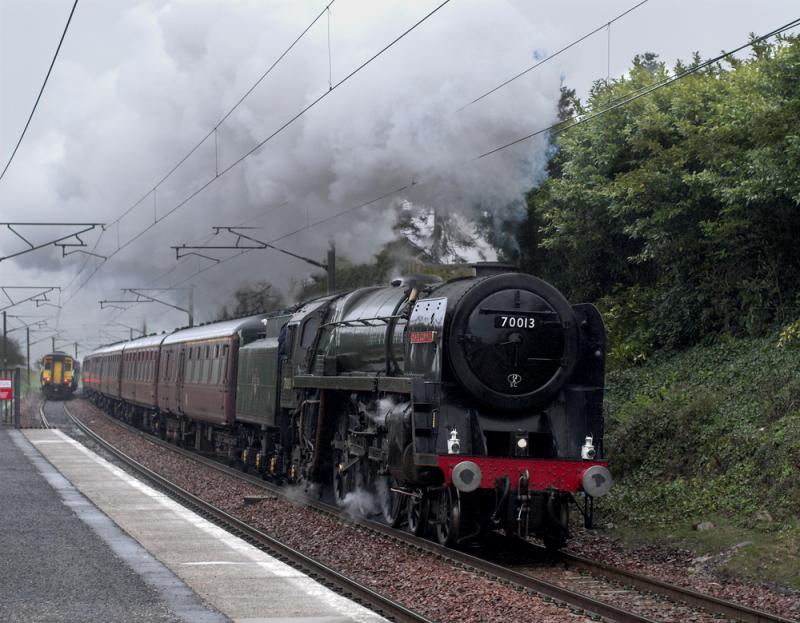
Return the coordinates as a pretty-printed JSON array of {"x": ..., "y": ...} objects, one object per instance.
[
  {"x": 678, "y": 212},
  {"x": 14, "y": 356}
]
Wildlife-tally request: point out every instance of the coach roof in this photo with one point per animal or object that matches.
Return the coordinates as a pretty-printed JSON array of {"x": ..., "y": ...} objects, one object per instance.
[
  {"x": 106, "y": 350},
  {"x": 217, "y": 330},
  {"x": 143, "y": 342}
]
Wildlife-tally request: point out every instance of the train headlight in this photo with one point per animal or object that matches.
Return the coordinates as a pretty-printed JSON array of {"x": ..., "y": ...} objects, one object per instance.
[
  {"x": 587, "y": 451},
  {"x": 522, "y": 443},
  {"x": 597, "y": 481},
  {"x": 453, "y": 444}
]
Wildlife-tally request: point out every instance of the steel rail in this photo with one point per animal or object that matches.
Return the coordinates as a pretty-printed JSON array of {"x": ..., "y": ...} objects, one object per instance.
[
  {"x": 42, "y": 416},
  {"x": 316, "y": 570},
  {"x": 473, "y": 563},
  {"x": 678, "y": 593}
]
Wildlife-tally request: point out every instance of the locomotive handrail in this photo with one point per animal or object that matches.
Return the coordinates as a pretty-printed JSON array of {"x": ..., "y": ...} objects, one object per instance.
[
  {"x": 517, "y": 312},
  {"x": 363, "y": 321}
]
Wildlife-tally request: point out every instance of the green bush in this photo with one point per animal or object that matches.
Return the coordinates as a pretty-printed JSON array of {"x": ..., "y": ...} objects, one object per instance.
[{"x": 713, "y": 430}]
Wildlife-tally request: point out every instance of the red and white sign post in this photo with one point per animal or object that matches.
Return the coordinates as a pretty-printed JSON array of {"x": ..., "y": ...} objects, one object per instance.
[{"x": 6, "y": 389}]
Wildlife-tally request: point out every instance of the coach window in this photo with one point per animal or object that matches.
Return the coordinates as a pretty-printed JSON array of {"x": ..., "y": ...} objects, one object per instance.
[
  {"x": 215, "y": 366},
  {"x": 224, "y": 366},
  {"x": 190, "y": 368}
]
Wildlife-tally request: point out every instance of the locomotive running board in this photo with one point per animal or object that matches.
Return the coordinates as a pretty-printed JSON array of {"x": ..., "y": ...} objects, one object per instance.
[{"x": 394, "y": 384}]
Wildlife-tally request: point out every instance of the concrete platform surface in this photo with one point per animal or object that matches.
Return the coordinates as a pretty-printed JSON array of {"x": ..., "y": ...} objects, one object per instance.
[
  {"x": 242, "y": 582},
  {"x": 63, "y": 560}
]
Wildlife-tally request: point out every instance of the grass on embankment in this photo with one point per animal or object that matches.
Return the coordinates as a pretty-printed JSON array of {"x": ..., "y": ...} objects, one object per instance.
[{"x": 711, "y": 434}]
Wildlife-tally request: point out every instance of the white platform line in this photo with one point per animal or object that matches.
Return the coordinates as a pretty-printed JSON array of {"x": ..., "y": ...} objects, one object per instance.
[{"x": 300, "y": 581}]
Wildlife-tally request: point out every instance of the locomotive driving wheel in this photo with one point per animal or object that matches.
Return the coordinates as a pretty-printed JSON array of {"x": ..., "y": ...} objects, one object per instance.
[
  {"x": 344, "y": 472},
  {"x": 448, "y": 517},
  {"x": 393, "y": 513},
  {"x": 417, "y": 513}
]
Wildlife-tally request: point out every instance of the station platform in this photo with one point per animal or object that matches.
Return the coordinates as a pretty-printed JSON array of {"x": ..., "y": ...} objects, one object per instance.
[{"x": 82, "y": 540}]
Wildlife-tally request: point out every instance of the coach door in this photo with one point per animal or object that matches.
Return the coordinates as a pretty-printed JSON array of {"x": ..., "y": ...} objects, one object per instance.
[
  {"x": 179, "y": 381},
  {"x": 58, "y": 372}
]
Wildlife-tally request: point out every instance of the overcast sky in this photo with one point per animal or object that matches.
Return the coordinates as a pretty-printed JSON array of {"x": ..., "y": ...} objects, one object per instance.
[{"x": 138, "y": 84}]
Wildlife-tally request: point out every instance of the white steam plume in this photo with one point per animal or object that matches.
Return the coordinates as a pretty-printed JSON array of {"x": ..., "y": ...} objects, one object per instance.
[{"x": 181, "y": 65}]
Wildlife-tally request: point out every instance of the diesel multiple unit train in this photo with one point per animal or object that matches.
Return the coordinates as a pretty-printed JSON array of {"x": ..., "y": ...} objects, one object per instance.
[
  {"x": 59, "y": 375},
  {"x": 474, "y": 404}
]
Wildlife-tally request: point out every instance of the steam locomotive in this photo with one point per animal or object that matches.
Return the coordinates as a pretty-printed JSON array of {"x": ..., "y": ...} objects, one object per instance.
[{"x": 472, "y": 405}]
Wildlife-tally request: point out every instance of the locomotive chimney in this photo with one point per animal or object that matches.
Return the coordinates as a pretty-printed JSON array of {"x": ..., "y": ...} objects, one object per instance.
[{"x": 487, "y": 269}]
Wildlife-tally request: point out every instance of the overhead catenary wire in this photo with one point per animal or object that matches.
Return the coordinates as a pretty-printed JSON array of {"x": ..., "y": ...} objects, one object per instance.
[
  {"x": 583, "y": 118},
  {"x": 263, "y": 142},
  {"x": 331, "y": 86},
  {"x": 41, "y": 90},
  {"x": 556, "y": 128},
  {"x": 552, "y": 56},
  {"x": 238, "y": 103},
  {"x": 183, "y": 159}
]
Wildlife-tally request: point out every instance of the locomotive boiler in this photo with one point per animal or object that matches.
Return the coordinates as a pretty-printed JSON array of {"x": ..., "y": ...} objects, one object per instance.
[{"x": 469, "y": 406}]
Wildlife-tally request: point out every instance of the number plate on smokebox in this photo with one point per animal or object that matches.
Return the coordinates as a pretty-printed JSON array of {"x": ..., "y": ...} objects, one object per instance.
[{"x": 514, "y": 322}]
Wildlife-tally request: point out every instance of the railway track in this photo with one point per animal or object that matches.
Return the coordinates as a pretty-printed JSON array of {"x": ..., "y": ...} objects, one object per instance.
[
  {"x": 597, "y": 584},
  {"x": 51, "y": 416},
  {"x": 42, "y": 417}
]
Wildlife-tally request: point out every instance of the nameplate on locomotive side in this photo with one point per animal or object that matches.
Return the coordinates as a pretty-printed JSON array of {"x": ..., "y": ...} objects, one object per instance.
[{"x": 422, "y": 337}]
